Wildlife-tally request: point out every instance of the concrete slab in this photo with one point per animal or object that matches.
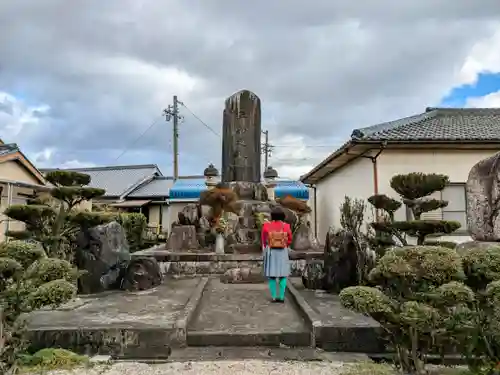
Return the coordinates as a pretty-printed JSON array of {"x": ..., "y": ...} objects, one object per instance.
[
  {"x": 338, "y": 329},
  {"x": 147, "y": 323},
  {"x": 243, "y": 315}
]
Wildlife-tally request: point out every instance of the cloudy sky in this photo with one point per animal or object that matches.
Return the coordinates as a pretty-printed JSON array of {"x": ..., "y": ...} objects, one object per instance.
[{"x": 81, "y": 80}]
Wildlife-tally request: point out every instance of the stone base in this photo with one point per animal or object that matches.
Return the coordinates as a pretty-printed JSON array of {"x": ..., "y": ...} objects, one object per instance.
[{"x": 179, "y": 265}]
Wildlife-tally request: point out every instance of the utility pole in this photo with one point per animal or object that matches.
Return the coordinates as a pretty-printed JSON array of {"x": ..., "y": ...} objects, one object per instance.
[
  {"x": 266, "y": 148},
  {"x": 172, "y": 112}
]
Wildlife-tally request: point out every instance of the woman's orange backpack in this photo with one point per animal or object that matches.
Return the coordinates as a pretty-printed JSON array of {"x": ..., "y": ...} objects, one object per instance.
[{"x": 278, "y": 239}]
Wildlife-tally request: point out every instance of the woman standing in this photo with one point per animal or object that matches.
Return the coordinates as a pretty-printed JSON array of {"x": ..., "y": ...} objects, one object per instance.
[{"x": 276, "y": 238}]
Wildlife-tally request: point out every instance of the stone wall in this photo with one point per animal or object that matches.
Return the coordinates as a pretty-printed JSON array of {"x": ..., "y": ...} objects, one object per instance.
[{"x": 201, "y": 264}]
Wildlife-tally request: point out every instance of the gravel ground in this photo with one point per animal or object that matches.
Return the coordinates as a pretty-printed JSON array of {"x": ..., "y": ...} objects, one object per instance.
[{"x": 250, "y": 367}]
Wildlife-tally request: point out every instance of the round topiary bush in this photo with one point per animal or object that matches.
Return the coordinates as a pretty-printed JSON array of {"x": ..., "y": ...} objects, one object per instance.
[
  {"x": 49, "y": 269},
  {"x": 417, "y": 290},
  {"x": 52, "y": 293},
  {"x": 8, "y": 268},
  {"x": 24, "y": 252},
  {"x": 426, "y": 265},
  {"x": 481, "y": 266}
]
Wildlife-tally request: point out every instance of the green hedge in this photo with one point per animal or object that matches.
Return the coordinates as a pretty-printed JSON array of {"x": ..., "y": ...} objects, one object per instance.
[{"x": 134, "y": 225}]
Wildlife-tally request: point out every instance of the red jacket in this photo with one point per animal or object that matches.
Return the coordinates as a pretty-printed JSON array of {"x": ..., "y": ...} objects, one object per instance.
[{"x": 278, "y": 226}]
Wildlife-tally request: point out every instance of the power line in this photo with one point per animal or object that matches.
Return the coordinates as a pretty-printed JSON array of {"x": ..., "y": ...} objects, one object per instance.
[
  {"x": 139, "y": 137},
  {"x": 200, "y": 120},
  {"x": 306, "y": 146}
]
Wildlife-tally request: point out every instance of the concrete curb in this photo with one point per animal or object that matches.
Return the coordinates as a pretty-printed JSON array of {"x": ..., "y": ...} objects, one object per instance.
[
  {"x": 189, "y": 311},
  {"x": 311, "y": 317}
]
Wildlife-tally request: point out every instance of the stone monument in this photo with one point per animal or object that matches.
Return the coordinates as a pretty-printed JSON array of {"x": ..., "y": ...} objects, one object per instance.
[
  {"x": 241, "y": 137},
  {"x": 483, "y": 200},
  {"x": 483, "y": 205},
  {"x": 241, "y": 172}
]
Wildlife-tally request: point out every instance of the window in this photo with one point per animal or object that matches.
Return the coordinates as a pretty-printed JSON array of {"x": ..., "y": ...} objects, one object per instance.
[
  {"x": 456, "y": 210},
  {"x": 457, "y": 205}
]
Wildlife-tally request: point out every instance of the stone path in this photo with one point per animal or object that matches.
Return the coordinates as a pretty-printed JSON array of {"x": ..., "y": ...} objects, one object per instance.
[
  {"x": 252, "y": 367},
  {"x": 243, "y": 315}
]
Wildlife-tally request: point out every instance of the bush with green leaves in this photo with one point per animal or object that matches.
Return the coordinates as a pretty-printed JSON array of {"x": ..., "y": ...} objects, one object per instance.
[
  {"x": 415, "y": 190},
  {"x": 54, "y": 220},
  {"x": 412, "y": 284},
  {"x": 29, "y": 280},
  {"x": 431, "y": 299},
  {"x": 134, "y": 225}
]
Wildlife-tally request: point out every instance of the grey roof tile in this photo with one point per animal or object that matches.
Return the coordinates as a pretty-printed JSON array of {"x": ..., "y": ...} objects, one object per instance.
[
  {"x": 158, "y": 187},
  {"x": 116, "y": 179},
  {"x": 9, "y": 148},
  {"x": 437, "y": 124}
]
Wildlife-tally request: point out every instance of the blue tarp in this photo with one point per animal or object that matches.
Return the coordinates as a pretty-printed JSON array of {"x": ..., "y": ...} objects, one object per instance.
[
  {"x": 190, "y": 189},
  {"x": 295, "y": 189},
  {"x": 187, "y": 189}
]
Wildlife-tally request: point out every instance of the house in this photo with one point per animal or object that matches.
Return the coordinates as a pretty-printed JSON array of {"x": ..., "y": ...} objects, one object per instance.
[
  {"x": 440, "y": 140},
  {"x": 19, "y": 180}
]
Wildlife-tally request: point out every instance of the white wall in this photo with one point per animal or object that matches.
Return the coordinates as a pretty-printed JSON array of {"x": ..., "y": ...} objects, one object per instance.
[{"x": 354, "y": 180}]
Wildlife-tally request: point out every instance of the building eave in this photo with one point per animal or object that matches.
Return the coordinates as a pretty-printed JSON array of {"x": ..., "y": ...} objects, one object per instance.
[{"x": 356, "y": 148}]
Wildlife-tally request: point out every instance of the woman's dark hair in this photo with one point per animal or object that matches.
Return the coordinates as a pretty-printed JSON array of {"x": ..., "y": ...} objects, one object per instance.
[{"x": 277, "y": 214}]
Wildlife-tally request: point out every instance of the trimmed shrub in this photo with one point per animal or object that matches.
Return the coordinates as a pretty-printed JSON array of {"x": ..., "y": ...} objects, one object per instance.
[
  {"x": 134, "y": 225},
  {"x": 52, "y": 293},
  {"x": 49, "y": 269},
  {"x": 416, "y": 289},
  {"x": 28, "y": 280},
  {"x": 24, "y": 252},
  {"x": 414, "y": 190}
]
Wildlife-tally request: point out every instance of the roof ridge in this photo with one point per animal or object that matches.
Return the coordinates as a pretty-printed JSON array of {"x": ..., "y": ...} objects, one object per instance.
[
  {"x": 106, "y": 167},
  {"x": 463, "y": 109},
  {"x": 391, "y": 125}
]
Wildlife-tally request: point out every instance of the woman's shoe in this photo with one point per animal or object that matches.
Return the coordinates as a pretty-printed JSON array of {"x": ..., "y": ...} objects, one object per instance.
[{"x": 280, "y": 300}]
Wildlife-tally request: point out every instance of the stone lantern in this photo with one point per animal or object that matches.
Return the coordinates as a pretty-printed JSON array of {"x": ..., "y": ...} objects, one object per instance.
[
  {"x": 270, "y": 176},
  {"x": 211, "y": 173}
]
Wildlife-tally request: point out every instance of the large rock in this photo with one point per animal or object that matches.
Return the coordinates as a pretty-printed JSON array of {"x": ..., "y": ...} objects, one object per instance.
[
  {"x": 243, "y": 275},
  {"x": 103, "y": 252},
  {"x": 313, "y": 276},
  {"x": 142, "y": 273},
  {"x": 183, "y": 238},
  {"x": 483, "y": 200},
  {"x": 340, "y": 261},
  {"x": 249, "y": 190},
  {"x": 301, "y": 238}
]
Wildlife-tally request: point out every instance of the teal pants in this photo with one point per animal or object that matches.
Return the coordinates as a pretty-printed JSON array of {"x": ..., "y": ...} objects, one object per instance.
[{"x": 274, "y": 282}]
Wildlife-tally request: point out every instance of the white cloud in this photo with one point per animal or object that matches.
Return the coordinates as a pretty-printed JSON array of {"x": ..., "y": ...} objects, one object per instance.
[
  {"x": 483, "y": 58},
  {"x": 76, "y": 164},
  {"x": 16, "y": 116},
  {"x": 488, "y": 101}
]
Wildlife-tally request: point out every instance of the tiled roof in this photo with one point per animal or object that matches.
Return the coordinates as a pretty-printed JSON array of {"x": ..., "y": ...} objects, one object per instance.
[
  {"x": 437, "y": 124},
  {"x": 116, "y": 180},
  {"x": 158, "y": 187},
  {"x": 9, "y": 148}
]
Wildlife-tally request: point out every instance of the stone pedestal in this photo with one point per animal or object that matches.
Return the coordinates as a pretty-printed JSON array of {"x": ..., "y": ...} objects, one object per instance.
[{"x": 182, "y": 238}]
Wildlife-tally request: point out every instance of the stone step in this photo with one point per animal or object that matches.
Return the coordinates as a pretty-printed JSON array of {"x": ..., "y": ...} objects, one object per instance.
[
  {"x": 243, "y": 315},
  {"x": 242, "y": 339},
  {"x": 214, "y": 353}
]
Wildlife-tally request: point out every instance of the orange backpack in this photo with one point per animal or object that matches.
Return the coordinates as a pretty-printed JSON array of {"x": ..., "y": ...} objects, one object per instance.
[{"x": 278, "y": 239}]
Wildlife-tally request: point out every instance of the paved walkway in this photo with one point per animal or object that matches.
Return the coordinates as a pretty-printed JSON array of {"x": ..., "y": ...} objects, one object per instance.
[{"x": 251, "y": 367}]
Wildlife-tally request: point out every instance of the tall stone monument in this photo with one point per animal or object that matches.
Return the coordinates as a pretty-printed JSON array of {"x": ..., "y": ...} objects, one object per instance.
[
  {"x": 483, "y": 200},
  {"x": 241, "y": 137}
]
